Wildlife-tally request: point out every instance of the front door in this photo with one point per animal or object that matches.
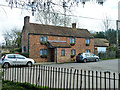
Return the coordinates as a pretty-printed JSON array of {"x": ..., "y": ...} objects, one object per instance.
[{"x": 52, "y": 50}]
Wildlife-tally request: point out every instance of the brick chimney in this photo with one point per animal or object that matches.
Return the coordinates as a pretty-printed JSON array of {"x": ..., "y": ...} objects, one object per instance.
[
  {"x": 26, "y": 20},
  {"x": 74, "y": 26}
]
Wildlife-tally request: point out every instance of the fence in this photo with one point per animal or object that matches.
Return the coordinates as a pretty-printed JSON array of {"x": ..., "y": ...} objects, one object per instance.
[
  {"x": 54, "y": 77},
  {"x": 107, "y": 54}
]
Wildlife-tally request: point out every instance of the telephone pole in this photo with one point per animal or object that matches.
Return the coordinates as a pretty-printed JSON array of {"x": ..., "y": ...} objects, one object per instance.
[{"x": 117, "y": 39}]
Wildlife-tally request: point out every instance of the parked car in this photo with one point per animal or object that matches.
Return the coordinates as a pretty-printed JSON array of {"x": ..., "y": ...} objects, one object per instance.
[
  {"x": 84, "y": 57},
  {"x": 15, "y": 59}
]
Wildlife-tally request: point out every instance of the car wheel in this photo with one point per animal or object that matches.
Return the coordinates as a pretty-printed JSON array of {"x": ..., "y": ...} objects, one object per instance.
[
  {"x": 29, "y": 64},
  {"x": 6, "y": 65},
  {"x": 85, "y": 60},
  {"x": 96, "y": 60}
]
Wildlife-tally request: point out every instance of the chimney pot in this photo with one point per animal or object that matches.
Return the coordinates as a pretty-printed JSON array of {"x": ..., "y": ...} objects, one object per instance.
[{"x": 74, "y": 25}]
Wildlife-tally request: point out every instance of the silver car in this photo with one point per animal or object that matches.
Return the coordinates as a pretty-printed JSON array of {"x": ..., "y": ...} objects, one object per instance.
[
  {"x": 15, "y": 59},
  {"x": 84, "y": 57}
]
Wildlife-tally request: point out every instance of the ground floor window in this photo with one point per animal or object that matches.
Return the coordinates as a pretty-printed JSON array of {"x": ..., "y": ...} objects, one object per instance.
[
  {"x": 63, "y": 52},
  {"x": 73, "y": 52},
  {"x": 87, "y": 50},
  {"x": 43, "y": 52}
]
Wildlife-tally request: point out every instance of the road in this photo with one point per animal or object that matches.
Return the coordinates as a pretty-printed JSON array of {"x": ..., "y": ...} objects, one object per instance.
[{"x": 102, "y": 65}]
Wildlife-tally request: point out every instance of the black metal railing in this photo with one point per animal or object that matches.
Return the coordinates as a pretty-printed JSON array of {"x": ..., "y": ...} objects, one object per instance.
[{"x": 66, "y": 78}]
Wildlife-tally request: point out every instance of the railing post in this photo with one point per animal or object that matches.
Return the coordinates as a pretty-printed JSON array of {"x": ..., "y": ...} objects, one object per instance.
[
  {"x": 92, "y": 80},
  {"x": 56, "y": 79},
  {"x": 96, "y": 80},
  {"x": 100, "y": 81},
  {"x": 85, "y": 79},
  {"x": 74, "y": 79},
  {"x": 81, "y": 80},
  {"x": 114, "y": 80},
  {"x": 64, "y": 78},
  {"x": 105, "y": 79},
  {"x": 70, "y": 78},
  {"x": 77, "y": 79},
  {"x": 119, "y": 82},
  {"x": 89, "y": 80},
  {"x": 67, "y": 78},
  {"x": 109, "y": 81},
  {"x": 61, "y": 77}
]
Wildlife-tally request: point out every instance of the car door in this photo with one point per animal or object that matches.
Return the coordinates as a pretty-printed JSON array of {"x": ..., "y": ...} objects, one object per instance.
[
  {"x": 87, "y": 55},
  {"x": 91, "y": 57},
  {"x": 20, "y": 60},
  {"x": 11, "y": 59}
]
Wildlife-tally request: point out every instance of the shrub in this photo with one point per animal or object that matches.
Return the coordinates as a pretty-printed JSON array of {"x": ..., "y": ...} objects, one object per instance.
[
  {"x": 25, "y": 54},
  {"x": 72, "y": 60},
  {"x": 43, "y": 56},
  {"x": 72, "y": 56},
  {"x": 44, "y": 43},
  {"x": 72, "y": 44},
  {"x": 87, "y": 44}
]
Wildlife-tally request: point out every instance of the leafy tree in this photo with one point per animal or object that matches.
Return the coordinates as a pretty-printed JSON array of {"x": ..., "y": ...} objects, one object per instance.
[{"x": 99, "y": 35}]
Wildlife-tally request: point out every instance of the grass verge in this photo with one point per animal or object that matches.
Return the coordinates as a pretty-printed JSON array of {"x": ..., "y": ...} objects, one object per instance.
[
  {"x": 109, "y": 58},
  {"x": 9, "y": 85}
]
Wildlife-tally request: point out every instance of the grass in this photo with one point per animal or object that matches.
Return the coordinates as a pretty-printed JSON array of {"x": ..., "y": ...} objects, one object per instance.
[
  {"x": 9, "y": 85},
  {"x": 109, "y": 58}
]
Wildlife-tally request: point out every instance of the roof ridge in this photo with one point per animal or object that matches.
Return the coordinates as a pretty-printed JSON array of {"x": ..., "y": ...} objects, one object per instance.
[{"x": 58, "y": 26}]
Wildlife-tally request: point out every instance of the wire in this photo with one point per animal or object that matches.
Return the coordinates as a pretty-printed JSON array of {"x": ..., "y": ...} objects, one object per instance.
[{"x": 59, "y": 13}]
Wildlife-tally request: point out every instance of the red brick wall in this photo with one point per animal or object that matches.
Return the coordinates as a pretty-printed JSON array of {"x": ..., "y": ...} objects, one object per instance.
[
  {"x": 35, "y": 46},
  {"x": 65, "y": 58}
]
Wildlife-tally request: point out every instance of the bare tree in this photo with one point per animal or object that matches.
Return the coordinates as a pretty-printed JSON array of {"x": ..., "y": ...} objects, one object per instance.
[
  {"x": 106, "y": 23},
  {"x": 13, "y": 38}
]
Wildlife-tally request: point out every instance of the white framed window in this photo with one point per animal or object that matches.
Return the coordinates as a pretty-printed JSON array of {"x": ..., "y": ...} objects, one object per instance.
[
  {"x": 63, "y": 52},
  {"x": 43, "y": 52},
  {"x": 43, "y": 38},
  {"x": 72, "y": 40},
  {"x": 73, "y": 52},
  {"x": 87, "y": 41}
]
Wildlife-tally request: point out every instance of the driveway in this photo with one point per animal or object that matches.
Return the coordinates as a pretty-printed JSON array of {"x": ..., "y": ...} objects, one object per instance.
[{"x": 102, "y": 65}]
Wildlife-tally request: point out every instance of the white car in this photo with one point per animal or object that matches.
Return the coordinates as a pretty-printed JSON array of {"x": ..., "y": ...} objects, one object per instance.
[{"x": 15, "y": 59}]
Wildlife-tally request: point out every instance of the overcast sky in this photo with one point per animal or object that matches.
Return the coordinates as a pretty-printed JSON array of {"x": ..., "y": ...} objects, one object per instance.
[{"x": 10, "y": 18}]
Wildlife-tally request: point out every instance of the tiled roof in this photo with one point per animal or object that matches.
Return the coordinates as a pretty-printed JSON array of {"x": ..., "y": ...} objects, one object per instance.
[
  {"x": 58, "y": 30},
  {"x": 101, "y": 42},
  {"x": 59, "y": 44}
]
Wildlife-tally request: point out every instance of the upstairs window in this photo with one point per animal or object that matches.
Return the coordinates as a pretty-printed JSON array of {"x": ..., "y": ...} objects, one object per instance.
[
  {"x": 43, "y": 39},
  {"x": 72, "y": 41},
  {"x": 87, "y": 42},
  {"x": 62, "y": 52}
]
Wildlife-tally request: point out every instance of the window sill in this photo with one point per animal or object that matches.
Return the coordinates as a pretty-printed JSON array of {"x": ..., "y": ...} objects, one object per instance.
[
  {"x": 43, "y": 56},
  {"x": 72, "y": 44}
]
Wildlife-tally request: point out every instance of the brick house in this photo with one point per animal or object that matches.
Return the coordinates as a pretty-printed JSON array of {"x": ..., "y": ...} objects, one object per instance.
[{"x": 55, "y": 43}]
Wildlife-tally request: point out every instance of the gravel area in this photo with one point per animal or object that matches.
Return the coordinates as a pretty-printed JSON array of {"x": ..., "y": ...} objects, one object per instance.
[{"x": 102, "y": 65}]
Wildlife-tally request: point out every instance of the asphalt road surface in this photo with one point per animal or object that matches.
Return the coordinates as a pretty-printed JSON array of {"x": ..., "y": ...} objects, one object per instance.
[{"x": 102, "y": 65}]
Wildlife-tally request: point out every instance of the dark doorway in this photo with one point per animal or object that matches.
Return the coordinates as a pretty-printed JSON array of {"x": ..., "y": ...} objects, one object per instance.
[{"x": 52, "y": 51}]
